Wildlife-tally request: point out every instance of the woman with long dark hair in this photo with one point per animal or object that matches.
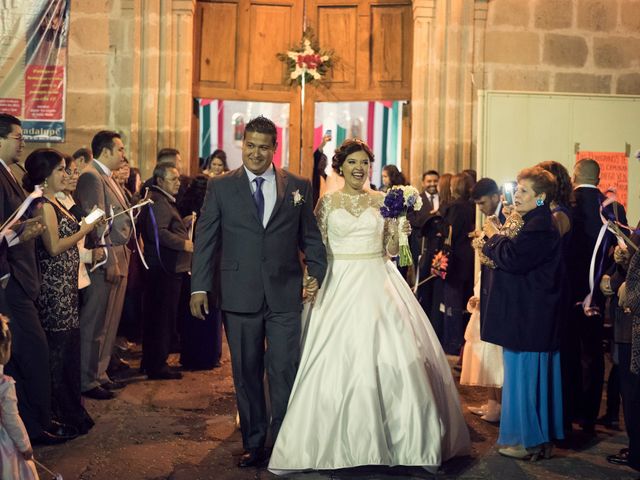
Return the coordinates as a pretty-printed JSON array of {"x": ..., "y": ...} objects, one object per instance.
[
  {"x": 391, "y": 177},
  {"x": 459, "y": 216},
  {"x": 217, "y": 164},
  {"x": 57, "y": 304}
]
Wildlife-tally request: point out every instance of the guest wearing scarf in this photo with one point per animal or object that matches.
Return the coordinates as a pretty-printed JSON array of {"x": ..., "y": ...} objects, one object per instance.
[
  {"x": 582, "y": 351},
  {"x": 167, "y": 249}
]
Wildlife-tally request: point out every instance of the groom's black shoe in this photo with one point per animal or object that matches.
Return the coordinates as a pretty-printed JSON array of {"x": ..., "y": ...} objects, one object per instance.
[{"x": 255, "y": 457}]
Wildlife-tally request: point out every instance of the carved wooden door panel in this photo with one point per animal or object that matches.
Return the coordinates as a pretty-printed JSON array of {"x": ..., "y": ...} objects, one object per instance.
[{"x": 237, "y": 42}]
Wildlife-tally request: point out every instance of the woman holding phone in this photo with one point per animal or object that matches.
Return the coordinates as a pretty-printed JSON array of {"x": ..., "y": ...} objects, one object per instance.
[
  {"x": 522, "y": 300},
  {"x": 57, "y": 304}
]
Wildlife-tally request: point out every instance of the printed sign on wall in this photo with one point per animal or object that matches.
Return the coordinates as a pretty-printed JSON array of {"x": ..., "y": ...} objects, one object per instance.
[{"x": 33, "y": 65}]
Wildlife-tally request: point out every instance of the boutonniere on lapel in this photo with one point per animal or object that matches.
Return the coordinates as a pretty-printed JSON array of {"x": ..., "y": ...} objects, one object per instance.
[{"x": 297, "y": 199}]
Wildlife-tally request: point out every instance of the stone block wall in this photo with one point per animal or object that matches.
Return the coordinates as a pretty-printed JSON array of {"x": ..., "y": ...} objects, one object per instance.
[
  {"x": 129, "y": 70},
  {"x": 578, "y": 46}
]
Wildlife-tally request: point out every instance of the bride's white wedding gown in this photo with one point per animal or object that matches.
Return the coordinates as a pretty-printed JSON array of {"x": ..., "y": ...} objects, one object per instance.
[{"x": 374, "y": 386}]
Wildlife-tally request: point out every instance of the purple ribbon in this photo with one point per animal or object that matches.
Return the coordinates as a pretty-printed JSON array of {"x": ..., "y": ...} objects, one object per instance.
[{"x": 156, "y": 235}]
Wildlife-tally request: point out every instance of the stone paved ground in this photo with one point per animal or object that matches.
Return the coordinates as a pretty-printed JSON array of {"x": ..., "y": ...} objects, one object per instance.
[{"x": 185, "y": 430}]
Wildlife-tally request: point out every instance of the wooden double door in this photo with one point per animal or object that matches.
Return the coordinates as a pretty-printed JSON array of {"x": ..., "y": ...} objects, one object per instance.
[{"x": 237, "y": 42}]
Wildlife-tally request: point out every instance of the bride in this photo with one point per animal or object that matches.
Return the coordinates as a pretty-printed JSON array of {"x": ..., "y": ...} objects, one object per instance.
[{"x": 374, "y": 386}]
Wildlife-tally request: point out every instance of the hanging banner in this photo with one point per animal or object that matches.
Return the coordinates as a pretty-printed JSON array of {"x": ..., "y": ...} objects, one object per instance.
[
  {"x": 33, "y": 65},
  {"x": 614, "y": 172}
]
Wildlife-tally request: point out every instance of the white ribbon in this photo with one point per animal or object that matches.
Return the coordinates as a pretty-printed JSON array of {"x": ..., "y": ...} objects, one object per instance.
[
  {"x": 103, "y": 241},
  {"x": 586, "y": 303},
  {"x": 130, "y": 212},
  {"x": 15, "y": 216}
]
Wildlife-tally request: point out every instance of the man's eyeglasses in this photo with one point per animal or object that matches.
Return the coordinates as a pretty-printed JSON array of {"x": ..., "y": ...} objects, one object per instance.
[{"x": 19, "y": 138}]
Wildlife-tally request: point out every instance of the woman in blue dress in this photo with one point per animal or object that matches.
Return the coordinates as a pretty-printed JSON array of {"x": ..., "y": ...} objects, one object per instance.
[{"x": 522, "y": 304}]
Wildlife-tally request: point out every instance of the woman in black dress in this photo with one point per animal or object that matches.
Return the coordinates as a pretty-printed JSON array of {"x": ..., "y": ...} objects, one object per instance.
[
  {"x": 57, "y": 304},
  {"x": 460, "y": 215}
]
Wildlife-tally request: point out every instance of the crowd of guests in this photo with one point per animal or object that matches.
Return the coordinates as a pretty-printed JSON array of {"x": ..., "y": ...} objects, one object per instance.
[
  {"x": 75, "y": 290},
  {"x": 533, "y": 330},
  {"x": 102, "y": 259}
]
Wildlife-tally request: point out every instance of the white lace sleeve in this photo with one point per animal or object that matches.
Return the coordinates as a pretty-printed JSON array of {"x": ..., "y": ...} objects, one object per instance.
[
  {"x": 390, "y": 232},
  {"x": 323, "y": 208}
]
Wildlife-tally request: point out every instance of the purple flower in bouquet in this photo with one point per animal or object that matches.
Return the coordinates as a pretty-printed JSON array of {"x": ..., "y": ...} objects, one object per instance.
[
  {"x": 397, "y": 202},
  {"x": 393, "y": 204}
]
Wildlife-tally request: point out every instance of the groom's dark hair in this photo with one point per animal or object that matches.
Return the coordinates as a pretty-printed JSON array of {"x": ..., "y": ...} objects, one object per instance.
[{"x": 262, "y": 125}]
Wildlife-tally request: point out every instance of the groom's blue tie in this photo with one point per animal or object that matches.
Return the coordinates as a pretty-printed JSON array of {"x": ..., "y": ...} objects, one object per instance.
[{"x": 258, "y": 197}]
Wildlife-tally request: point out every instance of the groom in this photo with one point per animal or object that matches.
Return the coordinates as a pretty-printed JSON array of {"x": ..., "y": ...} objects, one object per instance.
[{"x": 259, "y": 218}]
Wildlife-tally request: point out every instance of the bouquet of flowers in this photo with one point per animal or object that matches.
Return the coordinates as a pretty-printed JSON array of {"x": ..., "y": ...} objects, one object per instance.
[{"x": 398, "y": 201}]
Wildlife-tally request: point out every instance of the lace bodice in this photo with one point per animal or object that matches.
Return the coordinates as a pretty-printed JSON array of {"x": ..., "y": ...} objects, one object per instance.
[{"x": 352, "y": 224}]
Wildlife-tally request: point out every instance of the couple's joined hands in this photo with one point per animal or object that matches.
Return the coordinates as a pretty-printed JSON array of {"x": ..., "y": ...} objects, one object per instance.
[
  {"x": 199, "y": 302},
  {"x": 310, "y": 287}
]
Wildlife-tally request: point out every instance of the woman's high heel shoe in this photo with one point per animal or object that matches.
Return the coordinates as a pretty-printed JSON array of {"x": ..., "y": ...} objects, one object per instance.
[
  {"x": 532, "y": 454},
  {"x": 547, "y": 450},
  {"x": 480, "y": 411}
]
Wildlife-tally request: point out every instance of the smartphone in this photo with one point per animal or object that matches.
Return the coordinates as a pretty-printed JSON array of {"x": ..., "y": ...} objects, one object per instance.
[
  {"x": 508, "y": 189},
  {"x": 327, "y": 133},
  {"x": 94, "y": 216}
]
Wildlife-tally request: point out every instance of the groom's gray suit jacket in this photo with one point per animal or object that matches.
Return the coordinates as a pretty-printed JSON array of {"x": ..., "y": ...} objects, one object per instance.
[{"x": 257, "y": 263}]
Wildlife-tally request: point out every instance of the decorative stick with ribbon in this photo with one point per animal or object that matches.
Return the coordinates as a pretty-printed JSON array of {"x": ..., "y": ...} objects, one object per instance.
[
  {"x": 137, "y": 206},
  {"x": 130, "y": 212},
  {"x": 615, "y": 228},
  {"x": 20, "y": 211},
  {"x": 602, "y": 245}
]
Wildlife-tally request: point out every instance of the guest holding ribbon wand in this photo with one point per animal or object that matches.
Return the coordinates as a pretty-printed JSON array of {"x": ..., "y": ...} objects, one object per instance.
[
  {"x": 59, "y": 262},
  {"x": 167, "y": 249},
  {"x": 522, "y": 302}
]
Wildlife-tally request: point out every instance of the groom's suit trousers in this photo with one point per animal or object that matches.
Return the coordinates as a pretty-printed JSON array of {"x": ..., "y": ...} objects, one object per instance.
[{"x": 246, "y": 333}]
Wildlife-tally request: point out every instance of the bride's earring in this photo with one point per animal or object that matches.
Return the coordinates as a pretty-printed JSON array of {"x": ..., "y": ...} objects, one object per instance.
[{"x": 45, "y": 184}]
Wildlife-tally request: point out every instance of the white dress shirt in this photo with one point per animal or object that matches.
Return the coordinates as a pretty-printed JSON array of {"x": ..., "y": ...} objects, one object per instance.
[
  {"x": 269, "y": 191},
  {"x": 585, "y": 185}
]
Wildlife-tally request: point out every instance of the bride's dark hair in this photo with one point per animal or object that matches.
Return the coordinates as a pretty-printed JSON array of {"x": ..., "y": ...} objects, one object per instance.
[{"x": 348, "y": 147}]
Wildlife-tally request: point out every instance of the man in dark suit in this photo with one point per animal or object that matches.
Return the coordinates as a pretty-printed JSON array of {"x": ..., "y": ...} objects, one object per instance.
[
  {"x": 102, "y": 301},
  {"x": 582, "y": 353},
  {"x": 430, "y": 204},
  {"x": 167, "y": 249},
  {"x": 29, "y": 364},
  {"x": 260, "y": 217},
  {"x": 421, "y": 232}
]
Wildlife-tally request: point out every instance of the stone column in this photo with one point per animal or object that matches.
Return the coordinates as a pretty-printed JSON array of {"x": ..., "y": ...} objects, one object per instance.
[
  {"x": 176, "y": 77},
  {"x": 423, "y": 17},
  {"x": 442, "y": 84},
  {"x": 162, "y": 79}
]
